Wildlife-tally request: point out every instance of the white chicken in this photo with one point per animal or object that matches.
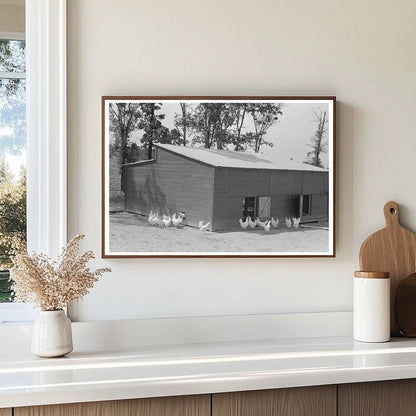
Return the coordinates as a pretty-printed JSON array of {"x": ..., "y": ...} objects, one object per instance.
[
  {"x": 260, "y": 223},
  {"x": 267, "y": 226},
  {"x": 167, "y": 220},
  {"x": 153, "y": 218},
  {"x": 296, "y": 222},
  {"x": 203, "y": 227},
  {"x": 288, "y": 222},
  {"x": 244, "y": 224},
  {"x": 252, "y": 224},
  {"x": 275, "y": 222},
  {"x": 176, "y": 220}
]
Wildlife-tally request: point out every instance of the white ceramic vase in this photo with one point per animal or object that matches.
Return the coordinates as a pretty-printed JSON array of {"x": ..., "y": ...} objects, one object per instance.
[{"x": 52, "y": 334}]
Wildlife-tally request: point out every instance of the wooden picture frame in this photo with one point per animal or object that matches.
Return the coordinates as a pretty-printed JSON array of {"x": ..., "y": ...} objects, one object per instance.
[{"x": 188, "y": 176}]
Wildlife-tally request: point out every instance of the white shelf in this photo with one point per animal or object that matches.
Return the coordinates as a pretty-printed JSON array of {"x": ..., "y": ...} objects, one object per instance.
[{"x": 150, "y": 371}]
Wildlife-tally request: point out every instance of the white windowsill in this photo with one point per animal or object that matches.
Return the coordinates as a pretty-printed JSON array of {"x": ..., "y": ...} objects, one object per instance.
[{"x": 16, "y": 313}]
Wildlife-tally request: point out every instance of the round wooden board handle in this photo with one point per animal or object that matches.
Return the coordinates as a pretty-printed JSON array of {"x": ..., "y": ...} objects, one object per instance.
[{"x": 391, "y": 214}]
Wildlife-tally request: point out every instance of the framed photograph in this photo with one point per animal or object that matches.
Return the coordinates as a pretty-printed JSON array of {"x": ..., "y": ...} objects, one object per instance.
[{"x": 218, "y": 176}]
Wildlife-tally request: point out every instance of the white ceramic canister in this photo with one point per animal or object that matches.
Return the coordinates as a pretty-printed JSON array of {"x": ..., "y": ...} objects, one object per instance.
[
  {"x": 371, "y": 313},
  {"x": 52, "y": 334}
]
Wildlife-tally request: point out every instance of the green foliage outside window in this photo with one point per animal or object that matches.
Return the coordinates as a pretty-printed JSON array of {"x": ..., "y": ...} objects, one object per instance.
[
  {"x": 12, "y": 223},
  {"x": 12, "y": 145}
]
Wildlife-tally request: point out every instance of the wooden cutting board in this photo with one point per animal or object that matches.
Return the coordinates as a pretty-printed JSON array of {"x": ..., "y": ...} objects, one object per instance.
[{"x": 393, "y": 250}]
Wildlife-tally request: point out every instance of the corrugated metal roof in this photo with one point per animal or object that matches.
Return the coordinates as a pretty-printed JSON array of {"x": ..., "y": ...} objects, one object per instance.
[{"x": 230, "y": 159}]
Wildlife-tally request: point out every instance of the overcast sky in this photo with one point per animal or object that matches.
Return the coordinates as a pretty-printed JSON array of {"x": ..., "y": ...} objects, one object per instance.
[{"x": 290, "y": 136}]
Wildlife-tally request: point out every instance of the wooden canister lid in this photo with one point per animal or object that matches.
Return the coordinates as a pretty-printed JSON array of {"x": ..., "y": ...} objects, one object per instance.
[{"x": 372, "y": 275}]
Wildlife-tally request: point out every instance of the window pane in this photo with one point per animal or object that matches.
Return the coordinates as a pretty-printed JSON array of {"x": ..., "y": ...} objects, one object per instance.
[
  {"x": 12, "y": 117},
  {"x": 12, "y": 164},
  {"x": 306, "y": 206},
  {"x": 12, "y": 56}
]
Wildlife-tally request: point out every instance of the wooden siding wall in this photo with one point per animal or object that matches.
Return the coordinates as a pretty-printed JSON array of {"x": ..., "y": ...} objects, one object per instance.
[
  {"x": 284, "y": 206},
  {"x": 319, "y": 207},
  {"x": 284, "y": 188},
  {"x": 172, "y": 184},
  {"x": 315, "y": 182},
  {"x": 286, "y": 182},
  {"x": 115, "y": 178},
  {"x": 231, "y": 185}
]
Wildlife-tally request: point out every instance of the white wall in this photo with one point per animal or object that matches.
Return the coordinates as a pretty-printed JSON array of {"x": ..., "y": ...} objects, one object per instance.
[{"x": 361, "y": 51}]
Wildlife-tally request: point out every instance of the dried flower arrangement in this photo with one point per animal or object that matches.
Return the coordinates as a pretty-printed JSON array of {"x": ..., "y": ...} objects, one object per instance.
[{"x": 53, "y": 285}]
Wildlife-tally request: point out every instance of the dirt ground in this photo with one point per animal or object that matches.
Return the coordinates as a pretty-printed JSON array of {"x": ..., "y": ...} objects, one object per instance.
[{"x": 132, "y": 233}]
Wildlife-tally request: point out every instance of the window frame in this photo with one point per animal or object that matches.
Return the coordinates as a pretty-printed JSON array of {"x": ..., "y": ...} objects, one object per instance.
[
  {"x": 17, "y": 311},
  {"x": 12, "y": 35},
  {"x": 14, "y": 312},
  {"x": 46, "y": 125}
]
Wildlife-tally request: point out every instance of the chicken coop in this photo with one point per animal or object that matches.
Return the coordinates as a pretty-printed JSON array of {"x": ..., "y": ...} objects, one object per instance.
[{"x": 223, "y": 186}]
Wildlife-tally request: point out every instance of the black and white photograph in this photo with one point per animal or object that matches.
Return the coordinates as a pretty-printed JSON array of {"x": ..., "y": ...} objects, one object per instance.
[{"x": 218, "y": 176}]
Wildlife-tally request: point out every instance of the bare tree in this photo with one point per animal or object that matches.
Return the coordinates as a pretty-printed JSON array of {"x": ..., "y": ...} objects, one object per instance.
[
  {"x": 183, "y": 122},
  {"x": 124, "y": 119},
  {"x": 319, "y": 143},
  {"x": 151, "y": 123},
  {"x": 264, "y": 116},
  {"x": 239, "y": 112}
]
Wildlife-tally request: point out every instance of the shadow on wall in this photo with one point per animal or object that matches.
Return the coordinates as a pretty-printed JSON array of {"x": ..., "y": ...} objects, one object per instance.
[{"x": 150, "y": 197}]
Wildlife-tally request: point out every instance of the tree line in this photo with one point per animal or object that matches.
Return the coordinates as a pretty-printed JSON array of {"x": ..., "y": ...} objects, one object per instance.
[
  {"x": 235, "y": 126},
  {"x": 209, "y": 125}
]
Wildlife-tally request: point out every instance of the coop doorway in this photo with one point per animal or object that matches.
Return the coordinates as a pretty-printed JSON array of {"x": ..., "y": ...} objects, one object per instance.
[
  {"x": 306, "y": 205},
  {"x": 249, "y": 207}
]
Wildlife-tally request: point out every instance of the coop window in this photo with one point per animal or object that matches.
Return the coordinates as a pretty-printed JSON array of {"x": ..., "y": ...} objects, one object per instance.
[{"x": 306, "y": 204}]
